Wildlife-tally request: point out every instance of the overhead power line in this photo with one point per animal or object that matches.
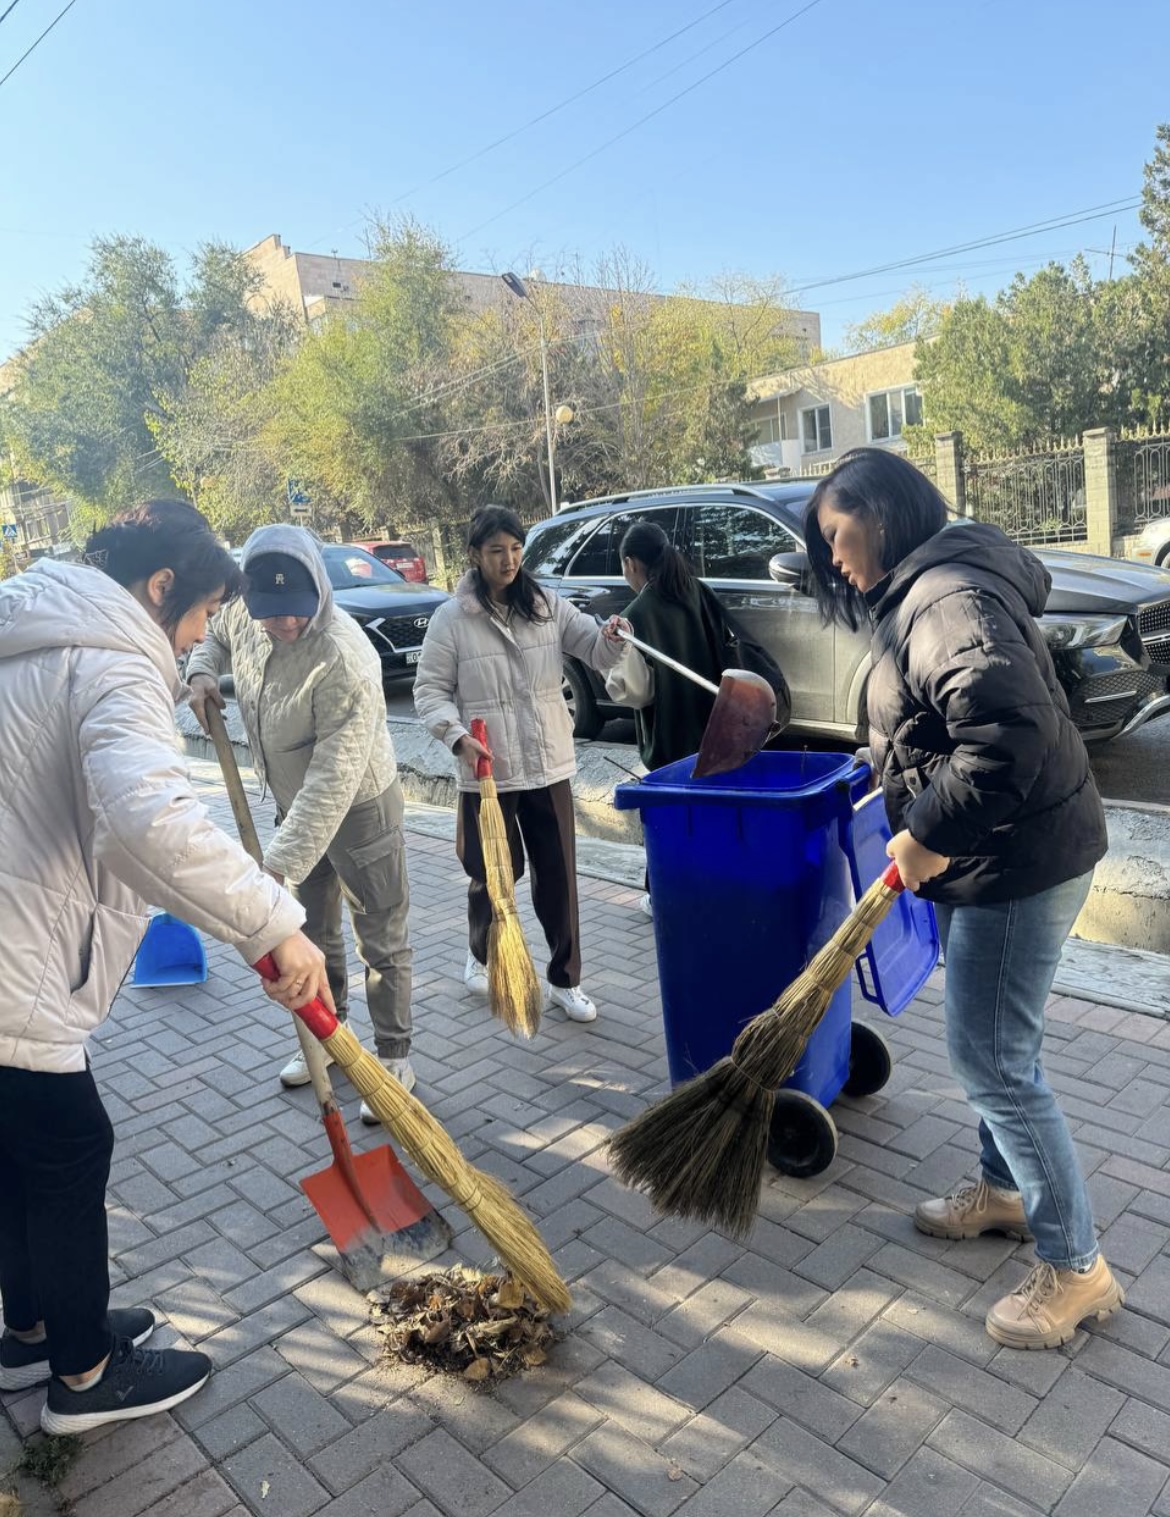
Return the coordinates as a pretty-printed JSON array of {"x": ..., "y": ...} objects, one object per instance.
[
  {"x": 60, "y": 16},
  {"x": 551, "y": 111},
  {"x": 642, "y": 120},
  {"x": 1053, "y": 224},
  {"x": 10, "y": 9},
  {"x": 567, "y": 101}
]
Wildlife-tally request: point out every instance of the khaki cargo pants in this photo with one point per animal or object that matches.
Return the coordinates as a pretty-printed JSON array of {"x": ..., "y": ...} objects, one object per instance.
[{"x": 366, "y": 863}]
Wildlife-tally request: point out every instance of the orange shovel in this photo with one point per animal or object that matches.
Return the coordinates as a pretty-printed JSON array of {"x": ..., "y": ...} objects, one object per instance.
[{"x": 380, "y": 1221}]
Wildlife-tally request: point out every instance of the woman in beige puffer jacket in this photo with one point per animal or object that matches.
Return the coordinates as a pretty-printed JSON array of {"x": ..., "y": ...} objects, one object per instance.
[{"x": 496, "y": 651}]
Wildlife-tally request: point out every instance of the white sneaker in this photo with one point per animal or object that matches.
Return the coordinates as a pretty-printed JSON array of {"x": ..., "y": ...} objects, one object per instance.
[
  {"x": 646, "y": 906},
  {"x": 573, "y": 1002},
  {"x": 296, "y": 1071},
  {"x": 402, "y": 1072},
  {"x": 475, "y": 976}
]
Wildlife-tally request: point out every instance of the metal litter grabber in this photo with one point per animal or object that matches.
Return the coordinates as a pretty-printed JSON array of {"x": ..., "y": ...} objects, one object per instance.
[
  {"x": 380, "y": 1221},
  {"x": 743, "y": 718}
]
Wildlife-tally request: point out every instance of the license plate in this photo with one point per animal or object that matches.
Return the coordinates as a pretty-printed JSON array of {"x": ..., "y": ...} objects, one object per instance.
[{"x": 413, "y": 658}]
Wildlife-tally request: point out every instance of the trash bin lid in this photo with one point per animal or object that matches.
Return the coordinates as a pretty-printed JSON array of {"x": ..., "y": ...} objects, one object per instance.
[
  {"x": 904, "y": 949},
  {"x": 772, "y": 778}
]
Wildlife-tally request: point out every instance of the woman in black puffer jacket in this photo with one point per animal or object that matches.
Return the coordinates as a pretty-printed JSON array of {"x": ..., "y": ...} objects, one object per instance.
[{"x": 997, "y": 820}]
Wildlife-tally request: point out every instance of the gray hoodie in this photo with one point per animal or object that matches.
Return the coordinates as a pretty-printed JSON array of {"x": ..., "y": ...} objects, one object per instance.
[
  {"x": 97, "y": 814},
  {"x": 313, "y": 710}
]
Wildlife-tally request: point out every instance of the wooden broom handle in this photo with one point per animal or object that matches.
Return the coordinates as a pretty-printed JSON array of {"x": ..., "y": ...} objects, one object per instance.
[
  {"x": 226, "y": 754},
  {"x": 483, "y": 766}
]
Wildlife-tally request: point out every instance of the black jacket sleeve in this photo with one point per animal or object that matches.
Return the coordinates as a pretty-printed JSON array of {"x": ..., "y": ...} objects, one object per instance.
[{"x": 970, "y": 662}]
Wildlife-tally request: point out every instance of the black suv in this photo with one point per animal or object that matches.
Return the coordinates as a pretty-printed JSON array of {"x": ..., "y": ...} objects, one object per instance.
[{"x": 1104, "y": 617}]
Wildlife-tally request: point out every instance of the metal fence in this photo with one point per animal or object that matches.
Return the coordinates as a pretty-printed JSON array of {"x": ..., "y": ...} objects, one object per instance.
[
  {"x": 1142, "y": 471},
  {"x": 925, "y": 464},
  {"x": 1034, "y": 497},
  {"x": 443, "y": 544}
]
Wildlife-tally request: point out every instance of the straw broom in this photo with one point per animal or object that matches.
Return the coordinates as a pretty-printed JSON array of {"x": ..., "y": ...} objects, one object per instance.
[
  {"x": 485, "y": 1200},
  {"x": 699, "y": 1152},
  {"x": 514, "y": 993}
]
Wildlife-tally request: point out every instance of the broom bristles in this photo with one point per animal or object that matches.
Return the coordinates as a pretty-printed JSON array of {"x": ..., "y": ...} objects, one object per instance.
[
  {"x": 484, "y": 1199},
  {"x": 514, "y": 992},
  {"x": 700, "y": 1151}
]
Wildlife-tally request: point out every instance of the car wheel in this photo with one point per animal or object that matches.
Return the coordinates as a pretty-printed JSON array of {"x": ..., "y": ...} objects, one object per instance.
[
  {"x": 586, "y": 718},
  {"x": 1163, "y": 559}
]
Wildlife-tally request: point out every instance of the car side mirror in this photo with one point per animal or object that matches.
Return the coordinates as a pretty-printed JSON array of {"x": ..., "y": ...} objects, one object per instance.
[{"x": 789, "y": 569}]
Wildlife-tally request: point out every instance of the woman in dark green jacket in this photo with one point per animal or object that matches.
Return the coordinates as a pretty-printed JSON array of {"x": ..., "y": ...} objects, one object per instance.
[{"x": 675, "y": 612}]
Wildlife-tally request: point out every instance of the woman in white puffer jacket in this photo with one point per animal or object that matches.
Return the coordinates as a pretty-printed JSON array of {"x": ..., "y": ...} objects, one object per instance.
[
  {"x": 97, "y": 818},
  {"x": 496, "y": 651}
]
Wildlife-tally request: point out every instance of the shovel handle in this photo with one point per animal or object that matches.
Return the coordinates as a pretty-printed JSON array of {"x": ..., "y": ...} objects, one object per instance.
[
  {"x": 664, "y": 658},
  {"x": 483, "y": 766},
  {"x": 316, "y": 1016}
]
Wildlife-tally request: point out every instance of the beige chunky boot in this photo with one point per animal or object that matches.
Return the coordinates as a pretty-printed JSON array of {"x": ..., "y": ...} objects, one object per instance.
[
  {"x": 1052, "y": 1303},
  {"x": 971, "y": 1210}
]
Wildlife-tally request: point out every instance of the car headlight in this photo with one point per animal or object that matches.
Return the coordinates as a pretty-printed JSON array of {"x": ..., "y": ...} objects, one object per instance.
[{"x": 1082, "y": 631}]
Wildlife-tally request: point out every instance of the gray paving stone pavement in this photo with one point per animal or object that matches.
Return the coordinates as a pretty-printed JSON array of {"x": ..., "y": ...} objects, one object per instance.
[{"x": 834, "y": 1362}]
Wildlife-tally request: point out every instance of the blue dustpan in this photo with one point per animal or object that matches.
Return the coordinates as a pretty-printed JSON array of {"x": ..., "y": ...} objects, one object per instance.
[{"x": 171, "y": 953}]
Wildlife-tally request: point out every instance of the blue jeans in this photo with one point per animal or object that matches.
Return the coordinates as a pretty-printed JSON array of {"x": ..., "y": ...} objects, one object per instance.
[{"x": 1000, "y": 964}]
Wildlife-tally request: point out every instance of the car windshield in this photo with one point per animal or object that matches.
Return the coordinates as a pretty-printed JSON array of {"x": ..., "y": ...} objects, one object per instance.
[{"x": 351, "y": 568}]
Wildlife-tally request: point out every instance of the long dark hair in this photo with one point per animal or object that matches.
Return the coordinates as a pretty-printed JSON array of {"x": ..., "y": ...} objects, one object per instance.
[
  {"x": 166, "y": 534},
  {"x": 895, "y": 496},
  {"x": 666, "y": 568},
  {"x": 523, "y": 595}
]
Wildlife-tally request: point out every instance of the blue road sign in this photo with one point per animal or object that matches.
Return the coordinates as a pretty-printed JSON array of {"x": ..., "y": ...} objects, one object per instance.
[
  {"x": 8, "y": 529},
  {"x": 297, "y": 494}
]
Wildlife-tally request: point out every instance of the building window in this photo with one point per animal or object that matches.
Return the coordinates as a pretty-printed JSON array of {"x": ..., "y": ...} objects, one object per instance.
[
  {"x": 890, "y": 410},
  {"x": 773, "y": 429},
  {"x": 816, "y": 430}
]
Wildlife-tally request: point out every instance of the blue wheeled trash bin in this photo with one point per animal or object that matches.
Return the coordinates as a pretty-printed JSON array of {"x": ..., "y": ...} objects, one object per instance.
[{"x": 751, "y": 872}]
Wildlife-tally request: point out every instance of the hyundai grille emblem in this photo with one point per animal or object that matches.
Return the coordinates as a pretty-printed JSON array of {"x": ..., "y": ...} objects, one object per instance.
[{"x": 422, "y": 621}]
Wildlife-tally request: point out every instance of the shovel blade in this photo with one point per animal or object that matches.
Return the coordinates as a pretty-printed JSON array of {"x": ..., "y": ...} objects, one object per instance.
[
  {"x": 406, "y": 1229},
  {"x": 740, "y": 723}
]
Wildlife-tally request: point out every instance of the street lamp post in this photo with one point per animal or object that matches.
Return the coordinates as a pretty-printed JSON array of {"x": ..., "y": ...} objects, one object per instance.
[{"x": 520, "y": 289}]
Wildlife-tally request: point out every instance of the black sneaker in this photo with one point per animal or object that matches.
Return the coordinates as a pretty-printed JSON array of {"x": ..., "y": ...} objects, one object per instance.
[
  {"x": 137, "y": 1383},
  {"x": 25, "y": 1364}
]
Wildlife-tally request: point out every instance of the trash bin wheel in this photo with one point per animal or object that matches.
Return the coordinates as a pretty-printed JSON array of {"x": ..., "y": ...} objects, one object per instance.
[
  {"x": 803, "y": 1139},
  {"x": 870, "y": 1061}
]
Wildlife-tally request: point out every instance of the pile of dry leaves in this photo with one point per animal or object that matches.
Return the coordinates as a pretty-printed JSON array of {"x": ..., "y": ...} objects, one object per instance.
[{"x": 483, "y": 1327}]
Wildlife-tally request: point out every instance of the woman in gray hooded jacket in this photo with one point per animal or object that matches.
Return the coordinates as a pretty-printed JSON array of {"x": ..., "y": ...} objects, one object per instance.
[{"x": 97, "y": 817}]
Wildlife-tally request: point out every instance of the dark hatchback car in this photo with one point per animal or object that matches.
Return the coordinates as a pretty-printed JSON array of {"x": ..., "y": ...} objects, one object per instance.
[
  {"x": 1107, "y": 621},
  {"x": 393, "y": 613}
]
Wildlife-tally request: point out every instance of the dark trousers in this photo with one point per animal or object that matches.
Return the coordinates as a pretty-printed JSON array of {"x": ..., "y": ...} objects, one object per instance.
[
  {"x": 539, "y": 823},
  {"x": 55, "y": 1146}
]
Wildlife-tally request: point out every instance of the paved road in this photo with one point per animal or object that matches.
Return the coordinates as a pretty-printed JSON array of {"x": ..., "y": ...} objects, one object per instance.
[{"x": 1135, "y": 768}]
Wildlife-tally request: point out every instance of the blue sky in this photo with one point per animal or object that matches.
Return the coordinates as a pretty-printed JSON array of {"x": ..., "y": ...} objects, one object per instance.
[{"x": 857, "y": 135}]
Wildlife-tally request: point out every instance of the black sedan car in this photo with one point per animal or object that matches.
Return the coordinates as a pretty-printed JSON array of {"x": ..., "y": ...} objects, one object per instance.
[
  {"x": 393, "y": 612},
  {"x": 1107, "y": 620}
]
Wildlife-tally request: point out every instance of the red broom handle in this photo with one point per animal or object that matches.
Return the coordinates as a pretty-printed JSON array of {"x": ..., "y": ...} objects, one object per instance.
[
  {"x": 483, "y": 768},
  {"x": 316, "y": 1015},
  {"x": 892, "y": 880}
]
